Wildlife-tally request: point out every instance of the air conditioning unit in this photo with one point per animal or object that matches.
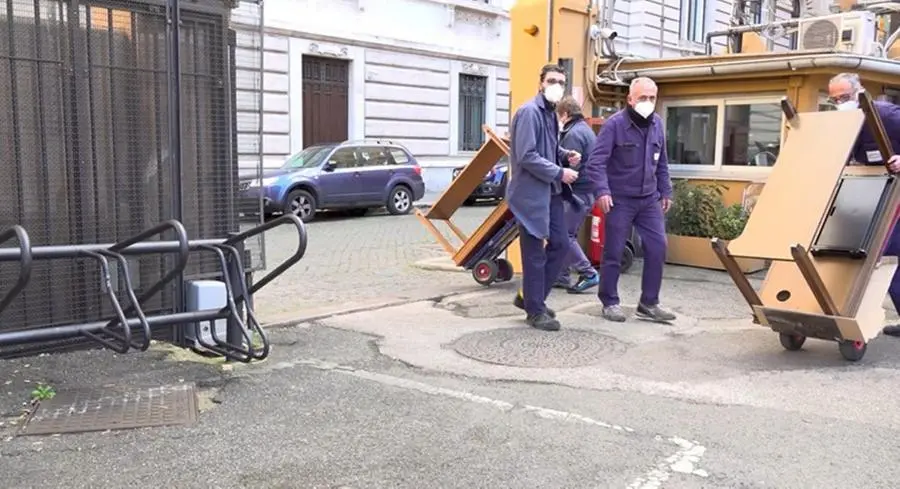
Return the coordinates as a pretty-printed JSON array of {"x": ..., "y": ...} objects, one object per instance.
[{"x": 849, "y": 32}]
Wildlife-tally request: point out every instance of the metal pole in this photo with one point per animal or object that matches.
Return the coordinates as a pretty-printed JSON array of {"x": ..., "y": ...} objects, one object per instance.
[
  {"x": 662, "y": 37},
  {"x": 262, "y": 89},
  {"x": 175, "y": 146}
]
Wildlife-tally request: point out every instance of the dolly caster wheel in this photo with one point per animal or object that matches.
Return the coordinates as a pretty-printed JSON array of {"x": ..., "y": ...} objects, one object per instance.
[
  {"x": 504, "y": 270},
  {"x": 792, "y": 342},
  {"x": 485, "y": 272},
  {"x": 852, "y": 351}
]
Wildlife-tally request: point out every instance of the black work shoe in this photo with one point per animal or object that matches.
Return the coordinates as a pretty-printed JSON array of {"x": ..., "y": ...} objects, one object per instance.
[
  {"x": 520, "y": 303},
  {"x": 893, "y": 330},
  {"x": 654, "y": 313},
  {"x": 542, "y": 321}
]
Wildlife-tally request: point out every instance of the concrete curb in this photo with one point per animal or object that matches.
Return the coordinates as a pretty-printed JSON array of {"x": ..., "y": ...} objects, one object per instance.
[
  {"x": 439, "y": 264},
  {"x": 316, "y": 314}
]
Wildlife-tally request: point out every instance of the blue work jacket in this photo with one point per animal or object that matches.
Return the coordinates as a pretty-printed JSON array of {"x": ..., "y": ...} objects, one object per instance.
[
  {"x": 535, "y": 171},
  {"x": 865, "y": 150},
  {"x": 577, "y": 135},
  {"x": 631, "y": 161}
]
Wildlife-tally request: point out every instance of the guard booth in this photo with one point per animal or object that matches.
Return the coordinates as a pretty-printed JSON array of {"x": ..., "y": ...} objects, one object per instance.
[{"x": 119, "y": 215}]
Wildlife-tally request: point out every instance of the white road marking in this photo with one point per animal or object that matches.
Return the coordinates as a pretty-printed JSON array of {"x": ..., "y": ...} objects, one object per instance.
[{"x": 683, "y": 461}]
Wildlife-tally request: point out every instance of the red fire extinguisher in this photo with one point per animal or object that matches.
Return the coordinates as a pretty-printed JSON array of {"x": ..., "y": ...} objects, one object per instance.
[{"x": 595, "y": 250}]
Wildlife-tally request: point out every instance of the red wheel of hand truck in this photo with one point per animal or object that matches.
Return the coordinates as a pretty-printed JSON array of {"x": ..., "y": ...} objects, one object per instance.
[{"x": 485, "y": 272}]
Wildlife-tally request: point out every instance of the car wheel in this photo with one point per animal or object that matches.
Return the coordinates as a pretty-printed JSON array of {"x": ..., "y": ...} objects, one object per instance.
[
  {"x": 400, "y": 201},
  {"x": 301, "y": 204}
]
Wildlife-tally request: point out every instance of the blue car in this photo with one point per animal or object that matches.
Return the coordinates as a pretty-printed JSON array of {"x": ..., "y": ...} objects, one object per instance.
[{"x": 355, "y": 176}]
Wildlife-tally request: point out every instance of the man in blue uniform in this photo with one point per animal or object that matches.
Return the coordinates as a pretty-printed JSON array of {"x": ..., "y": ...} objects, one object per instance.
[
  {"x": 534, "y": 195},
  {"x": 632, "y": 175},
  {"x": 577, "y": 135},
  {"x": 843, "y": 93}
]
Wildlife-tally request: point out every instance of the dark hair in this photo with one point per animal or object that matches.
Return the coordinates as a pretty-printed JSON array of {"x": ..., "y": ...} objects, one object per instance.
[
  {"x": 568, "y": 105},
  {"x": 551, "y": 68}
]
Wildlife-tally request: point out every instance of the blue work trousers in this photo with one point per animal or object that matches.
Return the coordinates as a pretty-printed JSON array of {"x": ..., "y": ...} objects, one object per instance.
[
  {"x": 893, "y": 249},
  {"x": 646, "y": 215},
  {"x": 540, "y": 264},
  {"x": 576, "y": 259}
]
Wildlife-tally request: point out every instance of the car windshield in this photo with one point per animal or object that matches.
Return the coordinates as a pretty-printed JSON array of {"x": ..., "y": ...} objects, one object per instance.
[{"x": 308, "y": 158}]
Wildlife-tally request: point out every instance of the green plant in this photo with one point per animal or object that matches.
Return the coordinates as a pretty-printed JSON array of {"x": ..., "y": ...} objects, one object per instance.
[
  {"x": 42, "y": 392},
  {"x": 730, "y": 221},
  {"x": 697, "y": 211},
  {"x": 694, "y": 209}
]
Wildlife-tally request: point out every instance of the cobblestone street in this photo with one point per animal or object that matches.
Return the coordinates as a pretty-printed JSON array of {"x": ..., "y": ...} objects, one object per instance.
[{"x": 357, "y": 260}]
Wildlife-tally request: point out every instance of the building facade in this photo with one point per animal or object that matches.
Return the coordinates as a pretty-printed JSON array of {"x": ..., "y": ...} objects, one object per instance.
[
  {"x": 672, "y": 28},
  {"x": 425, "y": 73},
  {"x": 722, "y": 135}
]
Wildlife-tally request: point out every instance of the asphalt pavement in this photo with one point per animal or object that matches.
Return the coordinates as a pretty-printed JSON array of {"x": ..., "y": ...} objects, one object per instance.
[
  {"x": 453, "y": 391},
  {"x": 359, "y": 262}
]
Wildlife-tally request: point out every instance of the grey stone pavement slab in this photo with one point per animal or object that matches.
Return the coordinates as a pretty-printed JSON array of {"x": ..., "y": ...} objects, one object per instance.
[{"x": 382, "y": 398}]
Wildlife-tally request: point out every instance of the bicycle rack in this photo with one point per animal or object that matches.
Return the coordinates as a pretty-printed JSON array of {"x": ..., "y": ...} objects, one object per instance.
[
  {"x": 25, "y": 262},
  {"x": 122, "y": 263},
  {"x": 223, "y": 347},
  {"x": 106, "y": 332}
]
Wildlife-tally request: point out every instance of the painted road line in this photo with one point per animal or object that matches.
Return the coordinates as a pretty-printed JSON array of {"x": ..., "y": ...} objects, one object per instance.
[{"x": 683, "y": 461}]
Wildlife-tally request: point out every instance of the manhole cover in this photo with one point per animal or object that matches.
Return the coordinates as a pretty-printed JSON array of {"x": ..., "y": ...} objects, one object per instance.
[
  {"x": 528, "y": 347},
  {"x": 114, "y": 408}
]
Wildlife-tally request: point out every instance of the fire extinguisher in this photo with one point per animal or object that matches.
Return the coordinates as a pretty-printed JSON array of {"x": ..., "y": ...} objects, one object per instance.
[{"x": 595, "y": 251}]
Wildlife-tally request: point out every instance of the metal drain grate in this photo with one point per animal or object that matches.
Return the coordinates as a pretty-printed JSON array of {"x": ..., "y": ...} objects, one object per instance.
[
  {"x": 528, "y": 347},
  {"x": 114, "y": 408}
]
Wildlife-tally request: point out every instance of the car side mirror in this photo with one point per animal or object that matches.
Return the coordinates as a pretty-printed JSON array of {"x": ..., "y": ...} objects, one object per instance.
[{"x": 329, "y": 166}]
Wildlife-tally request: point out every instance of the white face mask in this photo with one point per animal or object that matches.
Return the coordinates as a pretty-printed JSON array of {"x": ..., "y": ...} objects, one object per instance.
[
  {"x": 554, "y": 93},
  {"x": 848, "y": 105},
  {"x": 644, "y": 108}
]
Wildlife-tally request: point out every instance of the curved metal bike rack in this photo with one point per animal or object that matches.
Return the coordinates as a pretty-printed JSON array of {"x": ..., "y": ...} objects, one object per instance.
[{"x": 116, "y": 333}]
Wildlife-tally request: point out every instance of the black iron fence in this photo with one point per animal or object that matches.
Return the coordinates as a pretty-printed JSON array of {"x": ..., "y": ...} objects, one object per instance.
[{"x": 116, "y": 116}]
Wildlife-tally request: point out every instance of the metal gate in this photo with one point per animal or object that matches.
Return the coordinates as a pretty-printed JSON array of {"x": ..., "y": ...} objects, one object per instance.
[{"x": 108, "y": 130}]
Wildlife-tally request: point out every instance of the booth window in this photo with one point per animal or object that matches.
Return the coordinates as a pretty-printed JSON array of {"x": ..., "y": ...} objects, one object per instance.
[
  {"x": 691, "y": 134},
  {"x": 715, "y": 134},
  {"x": 752, "y": 134}
]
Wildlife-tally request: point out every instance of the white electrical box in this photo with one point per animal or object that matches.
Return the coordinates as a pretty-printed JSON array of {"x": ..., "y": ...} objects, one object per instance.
[{"x": 204, "y": 295}]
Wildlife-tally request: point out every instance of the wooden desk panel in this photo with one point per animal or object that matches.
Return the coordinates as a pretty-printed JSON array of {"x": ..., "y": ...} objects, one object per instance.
[
  {"x": 487, "y": 228},
  {"x": 470, "y": 178},
  {"x": 800, "y": 186}
]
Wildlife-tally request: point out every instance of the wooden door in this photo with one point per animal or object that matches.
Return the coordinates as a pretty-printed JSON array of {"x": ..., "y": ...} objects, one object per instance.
[{"x": 326, "y": 88}]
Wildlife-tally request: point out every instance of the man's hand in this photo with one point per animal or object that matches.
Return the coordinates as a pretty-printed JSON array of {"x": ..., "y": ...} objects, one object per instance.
[
  {"x": 606, "y": 203},
  {"x": 574, "y": 158},
  {"x": 893, "y": 164},
  {"x": 666, "y": 204},
  {"x": 569, "y": 175}
]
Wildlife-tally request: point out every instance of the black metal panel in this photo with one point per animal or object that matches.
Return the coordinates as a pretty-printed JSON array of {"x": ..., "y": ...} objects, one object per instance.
[
  {"x": 472, "y": 105},
  {"x": 85, "y": 89}
]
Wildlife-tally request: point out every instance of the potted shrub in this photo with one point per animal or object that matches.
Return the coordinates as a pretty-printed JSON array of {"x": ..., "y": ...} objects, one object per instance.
[{"x": 696, "y": 216}]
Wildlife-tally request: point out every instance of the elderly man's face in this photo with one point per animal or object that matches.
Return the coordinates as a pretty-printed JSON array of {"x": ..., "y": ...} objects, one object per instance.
[
  {"x": 642, "y": 92},
  {"x": 840, "y": 92}
]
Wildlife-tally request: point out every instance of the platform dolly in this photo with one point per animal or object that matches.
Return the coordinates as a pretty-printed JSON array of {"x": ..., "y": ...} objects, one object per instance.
[{"x": 823, "y": 224}]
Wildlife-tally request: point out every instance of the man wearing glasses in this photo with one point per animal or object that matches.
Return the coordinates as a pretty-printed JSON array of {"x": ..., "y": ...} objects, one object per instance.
[
  {"x": 534, "y": 195},
  {"x": 843, "y": 94}
]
